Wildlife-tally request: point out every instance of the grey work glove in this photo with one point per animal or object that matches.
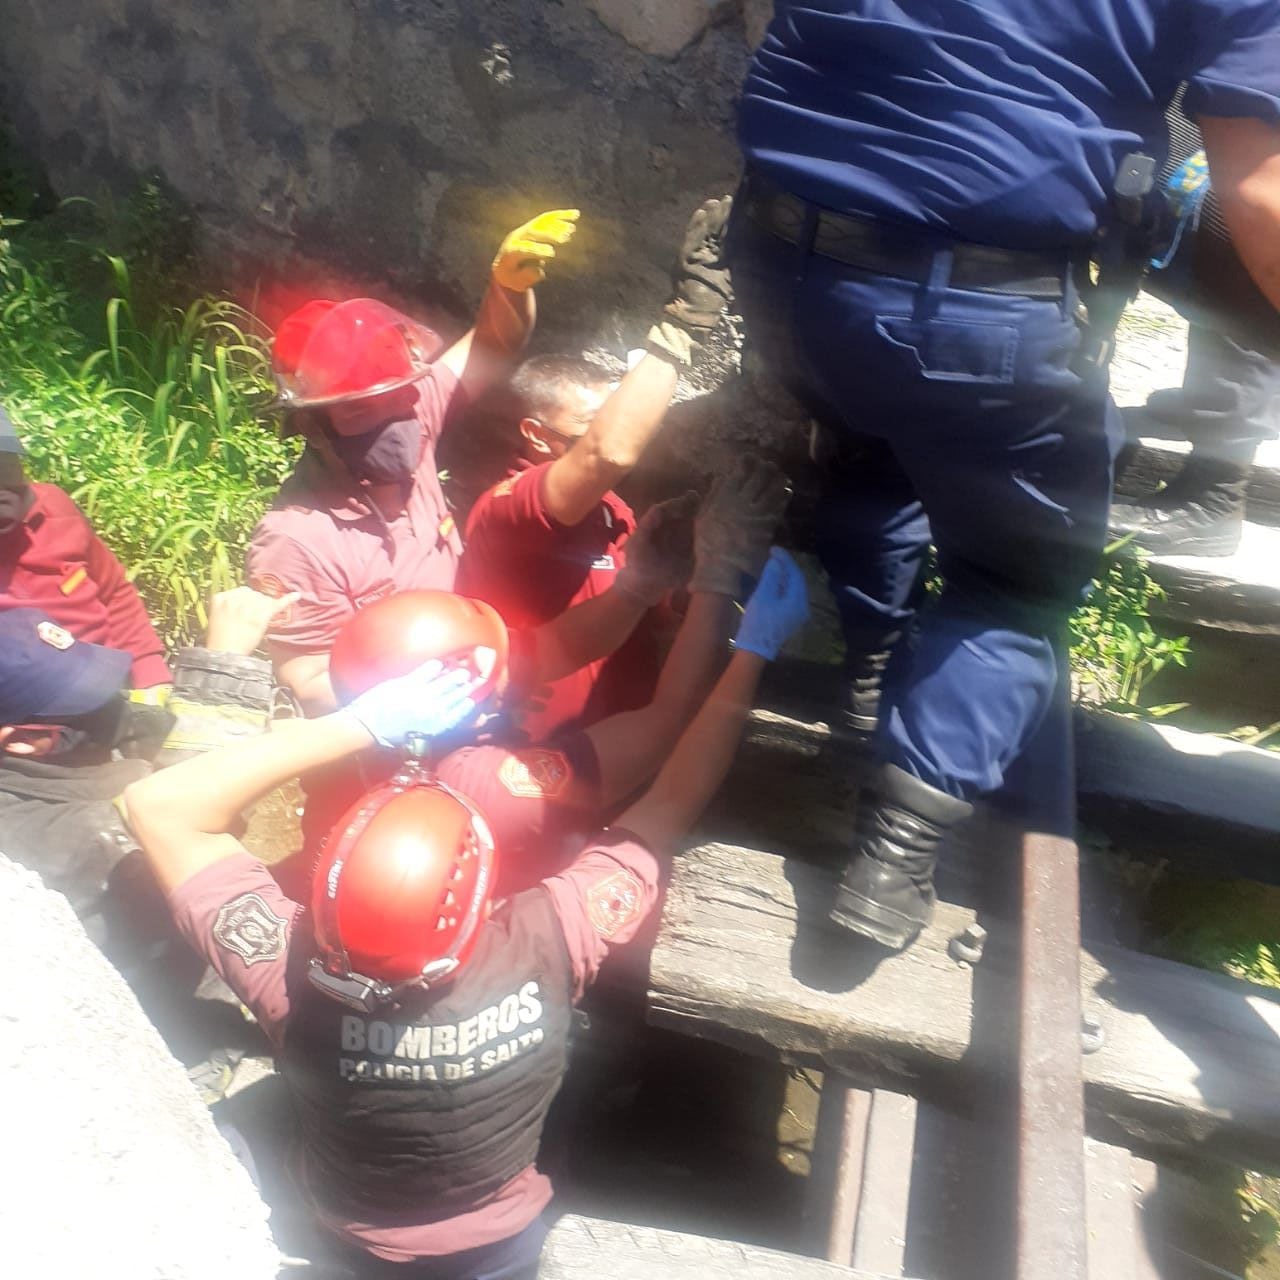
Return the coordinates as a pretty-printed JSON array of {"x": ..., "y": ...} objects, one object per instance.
[
  {"x": 736, "y": 525},
  {"x": 660, "y": 552},
  {"x": 702, "y": 285}
]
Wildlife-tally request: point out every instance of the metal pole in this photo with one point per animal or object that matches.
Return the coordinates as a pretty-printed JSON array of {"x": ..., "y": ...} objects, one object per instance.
[
  {"x": 835, "y": 1178},
  {"x": 1051, "y": 1227}
]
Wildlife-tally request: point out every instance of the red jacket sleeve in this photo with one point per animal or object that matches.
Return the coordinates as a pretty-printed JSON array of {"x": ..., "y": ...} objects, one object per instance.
[
  {"x": 609, "y": 893},
  {"x": 130, "y": 628}
]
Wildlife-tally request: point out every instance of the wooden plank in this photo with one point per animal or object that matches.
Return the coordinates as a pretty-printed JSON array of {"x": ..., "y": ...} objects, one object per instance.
[
  {"x": 880, "y": 1237},
  {"x": 1239, "y": 592},
  {"x": 1205, "y": 803},
  {"x": 1156, "y": 461},
  {"x": 590, "y": 1248},
  {"x": 745, "y": 956}
]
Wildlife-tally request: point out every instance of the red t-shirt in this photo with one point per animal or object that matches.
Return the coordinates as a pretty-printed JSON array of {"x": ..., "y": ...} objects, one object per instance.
[
  {"x": 331, "y": 545},
  {"x": 54, "y": 561},
  {"x": 240, "y": 920},
  {"x": 532, "y": 568}
]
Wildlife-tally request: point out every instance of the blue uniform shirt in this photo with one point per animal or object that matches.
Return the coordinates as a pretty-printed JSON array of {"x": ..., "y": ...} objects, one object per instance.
[{"x": 1000, "y": 121}]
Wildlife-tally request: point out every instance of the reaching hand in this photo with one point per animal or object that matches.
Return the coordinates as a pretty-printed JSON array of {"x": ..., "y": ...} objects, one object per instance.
[
  {"x": 736, "y": 526},
  {"x": 429, "y": 700},
  {"x": 702, "y": 285},
  {"x": 660, "y": 552},
  {"x": 238, "y": 619},
  {"x": 523, "y": 256},
  {"x": 778, "y": 608}
]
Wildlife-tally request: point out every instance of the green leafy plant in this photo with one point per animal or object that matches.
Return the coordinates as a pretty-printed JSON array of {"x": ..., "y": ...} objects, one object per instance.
[
  {"x": 144, "y": 412},
  {"x": 1115, "y": 649}
]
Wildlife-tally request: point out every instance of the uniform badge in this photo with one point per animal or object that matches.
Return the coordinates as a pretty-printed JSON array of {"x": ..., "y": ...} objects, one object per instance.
[
  {"x": 448, "y": 526},
  {"x": 75, "y": 578},
  {"x": 613, "y": 902},
  {"x": 535, "y": 773},
  {"x": 269, "y": 585},
  {"x": 54, "y": 636},
  {"x": 504, "y": 487},
  {"x": 249, "y": 928}
]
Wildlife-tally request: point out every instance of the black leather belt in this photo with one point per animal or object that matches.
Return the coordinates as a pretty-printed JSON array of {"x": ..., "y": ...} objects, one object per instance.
[{"x": 889, "y": 250}]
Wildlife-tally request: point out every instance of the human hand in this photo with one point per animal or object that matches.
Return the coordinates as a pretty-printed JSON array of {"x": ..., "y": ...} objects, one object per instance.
[
  {"x": 778, "y": 608},
  {"x": 523, "y": 256},
  {"x": 736, "y": 526},
  {"x": 430, "y": 700},
  {"x": 702, "y": 286},
  {"x": 238, "y": 619},
  {"x": 660, "y": 552}
]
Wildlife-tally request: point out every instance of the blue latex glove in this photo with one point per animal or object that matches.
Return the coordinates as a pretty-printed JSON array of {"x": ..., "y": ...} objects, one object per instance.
[
  {"x": 778, "y": 607},
  {"x": 429, "y": 700}
]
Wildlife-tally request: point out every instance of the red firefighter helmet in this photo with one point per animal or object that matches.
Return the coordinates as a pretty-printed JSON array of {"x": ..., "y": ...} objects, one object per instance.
[
  {"x": 326, "y": 352},
  {"x": 400, "y": 892},
  {"x": 397, "y": 634}
]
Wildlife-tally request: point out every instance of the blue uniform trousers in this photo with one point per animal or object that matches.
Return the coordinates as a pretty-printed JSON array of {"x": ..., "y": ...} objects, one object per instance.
[{"x": 961, "y": 421}]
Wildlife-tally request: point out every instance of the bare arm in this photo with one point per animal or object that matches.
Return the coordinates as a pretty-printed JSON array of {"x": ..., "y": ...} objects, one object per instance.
[
  {"x": 306, "y": 676},
  {"x": 777, "y": 609},
  {"x": 701, "y": 760},
  {"x": 1244, "y": 161},
  {"x": 630, "y": 746},
  {"x": 586, "y": 633},
  {"x": 577, "y": 480},
  {"x": 181, "y": 815},
  {"x": 486, "y": 352}
]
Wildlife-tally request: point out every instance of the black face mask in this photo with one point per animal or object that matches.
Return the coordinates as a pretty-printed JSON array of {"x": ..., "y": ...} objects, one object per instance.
[{"x": 388, "y": 454}]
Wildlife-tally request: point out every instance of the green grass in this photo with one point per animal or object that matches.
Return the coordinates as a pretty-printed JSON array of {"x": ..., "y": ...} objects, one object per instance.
[{"x": 141, "y": 409}]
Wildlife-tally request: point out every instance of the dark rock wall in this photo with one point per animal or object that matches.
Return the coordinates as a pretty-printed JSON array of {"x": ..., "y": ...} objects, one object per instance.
[{"x": 397, "y": 140}]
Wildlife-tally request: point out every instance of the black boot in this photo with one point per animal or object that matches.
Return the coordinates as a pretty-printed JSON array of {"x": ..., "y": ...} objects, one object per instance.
[
  {"x": 887, "y": 892},
  {"x": 864, "y": 676},
  {"x": 1199, "y": 513}
]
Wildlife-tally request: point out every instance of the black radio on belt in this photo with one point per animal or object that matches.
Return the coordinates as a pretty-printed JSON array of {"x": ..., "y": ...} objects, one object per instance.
[{"x": 1196, "y": 268}]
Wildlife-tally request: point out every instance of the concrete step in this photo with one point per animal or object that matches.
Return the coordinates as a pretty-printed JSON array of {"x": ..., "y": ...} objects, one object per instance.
[{"x": 588, "y": 1248}]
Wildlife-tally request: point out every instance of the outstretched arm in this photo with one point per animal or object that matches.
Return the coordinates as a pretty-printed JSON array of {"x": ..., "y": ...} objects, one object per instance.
[
  {"x": 628, "y": 419},
  {"x": 1244, "y": 161},
  {"x": 733, "y": 535},
  {"x": 703, "y": 755},
  {"x": 182, "y": 816},
  {"x": 507, "y": 314}
]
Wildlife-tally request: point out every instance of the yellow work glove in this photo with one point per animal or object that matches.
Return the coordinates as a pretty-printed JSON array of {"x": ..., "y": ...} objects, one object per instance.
[{"x": 522, "y": 259}]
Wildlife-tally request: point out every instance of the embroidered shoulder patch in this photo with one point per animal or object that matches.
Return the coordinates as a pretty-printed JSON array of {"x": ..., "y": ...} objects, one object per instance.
[
  {"x": 269, "y": 585},
  {"x": 535, "y": 773},
  {"x": 504, "y": 487},
  {"x": 247, "y": 927},
  {"x": 54, "y": 636},
  {"x": 613, "y": 902}
]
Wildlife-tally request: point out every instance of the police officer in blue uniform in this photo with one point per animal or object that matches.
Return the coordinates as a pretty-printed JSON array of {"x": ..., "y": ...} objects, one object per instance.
[{"x": 923, "y": 186}]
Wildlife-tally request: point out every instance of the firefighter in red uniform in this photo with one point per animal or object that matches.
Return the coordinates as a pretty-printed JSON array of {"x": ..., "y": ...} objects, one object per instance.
[
  {"x": 363, "y": 514},
  {"x": 51, "y": 560},
  {"x": 554, "y": 533},
  {"x": 541, "y": 799},
  {"x": 420, "y": 1024}
]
